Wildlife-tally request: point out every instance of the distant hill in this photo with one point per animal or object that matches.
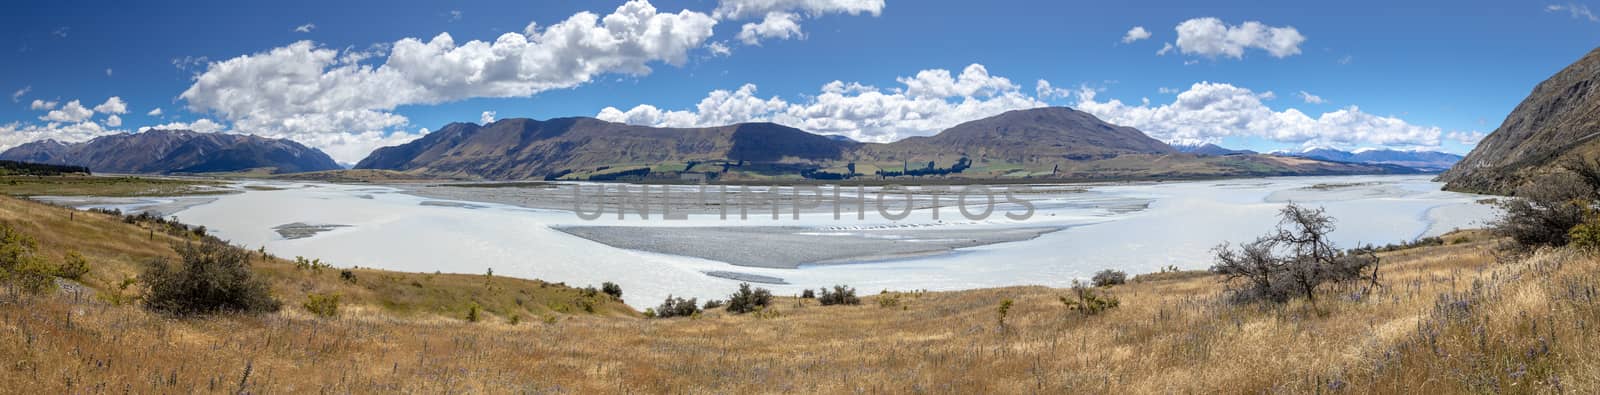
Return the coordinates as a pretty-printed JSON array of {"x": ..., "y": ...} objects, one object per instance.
[
  {"x": 1558, "y": 120},
  {"x": 175, "y": 151},
  {"x": 1052, "y": 143},
  {"x": 1211, "y": 150},
  {"x": 1420, "y": 160},
  {"x": 519, "y": 148}
]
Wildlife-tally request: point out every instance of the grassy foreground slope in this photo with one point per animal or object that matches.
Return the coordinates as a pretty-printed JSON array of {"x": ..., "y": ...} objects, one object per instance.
[{"x": 1450, "y": 319}]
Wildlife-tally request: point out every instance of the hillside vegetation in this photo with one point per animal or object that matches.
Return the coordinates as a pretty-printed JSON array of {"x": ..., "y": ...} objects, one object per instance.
[{"x": 1449, "y": 318}]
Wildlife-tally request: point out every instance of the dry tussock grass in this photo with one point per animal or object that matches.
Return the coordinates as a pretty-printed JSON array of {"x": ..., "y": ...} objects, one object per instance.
[{"x": 1450, "y": 319}]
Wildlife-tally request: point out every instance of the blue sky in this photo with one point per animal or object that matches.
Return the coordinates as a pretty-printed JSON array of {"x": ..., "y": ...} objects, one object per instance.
[{"x": 1414, "y": 76}]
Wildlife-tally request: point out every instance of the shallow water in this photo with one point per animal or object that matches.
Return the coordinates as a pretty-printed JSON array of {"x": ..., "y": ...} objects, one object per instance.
[{"x": 1133, "y": 227}]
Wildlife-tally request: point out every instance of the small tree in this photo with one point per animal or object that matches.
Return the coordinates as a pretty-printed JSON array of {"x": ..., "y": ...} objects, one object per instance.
[
  {"x": 746, "y": 300},
  {"x": 1109, "y": 277},
  {"x": 807, "y": 294},
  {"x": 612, "y": 289},
  {"x": 841, "y": 295},
  {"x": 1088, "y": 301},
  {"x": 473, "y": 312},
  {"x": 1308, "y": 259},
  {"x": 211, "y": 277}
]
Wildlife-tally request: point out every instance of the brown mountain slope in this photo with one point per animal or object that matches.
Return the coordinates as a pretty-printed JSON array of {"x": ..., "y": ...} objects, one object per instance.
[
  {"x": 1029, "y": 135},
  {"x": 1055, "y": 142},
  {"x": 1560, "y": 119},
  {"x": 525, "y": 148}
]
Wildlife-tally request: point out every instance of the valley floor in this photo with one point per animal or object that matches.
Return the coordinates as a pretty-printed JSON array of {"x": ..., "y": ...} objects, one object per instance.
[{"x": 1449, "y": 318}]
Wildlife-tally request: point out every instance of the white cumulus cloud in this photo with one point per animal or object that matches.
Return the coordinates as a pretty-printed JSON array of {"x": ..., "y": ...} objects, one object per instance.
[
  {"x": 72, "y": 112},
  {"x": 14, "y": 134},
  {"x": 16, "y": 97},
  {"x": 202, "y": 125},
  {"x": 1135, "y": 34},
  {"x": 1210, "y": 37},
  {"x": 113, "y": 105},
  {"x": 154, "y": 113},
  {"x": 486, "y": 118},
  {"x": 41, "y": 105},
  {"x": 780, "y": 19},
  {"x": 776, "y": 25},
  {"x": 744, "y": 9},
  {"x": 1208, "y": 112},
  {"x": 306, "y": 28},
  {"x": 113, "y": 121},
  {"x": 1466, "y": 137},
  {"x": 304, "y": 89},
  {"x": 929, "y": 102}
]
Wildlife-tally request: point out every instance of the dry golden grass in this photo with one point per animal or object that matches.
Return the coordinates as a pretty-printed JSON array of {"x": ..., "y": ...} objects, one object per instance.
[
  {"x": 117, "y": 251},
  {"x": 1450, "y": 319}
]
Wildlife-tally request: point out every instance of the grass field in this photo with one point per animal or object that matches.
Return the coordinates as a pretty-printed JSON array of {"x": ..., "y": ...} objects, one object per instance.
[{"x": 1449, "y": 319}]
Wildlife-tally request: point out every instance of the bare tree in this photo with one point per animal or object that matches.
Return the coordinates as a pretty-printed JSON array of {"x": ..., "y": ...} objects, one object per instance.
[{"x": 1294, "y": 259}]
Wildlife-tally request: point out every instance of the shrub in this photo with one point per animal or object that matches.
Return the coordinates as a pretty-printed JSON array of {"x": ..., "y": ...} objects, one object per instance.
[
  {"x": 1000, "y": 313},
  {"x": 746, "y": 300},
  {"x": 1109, "y": 277},
  {"x": 74, "y": 266},
  {"x": 211, "y": 277},
  {"x": 348, "y": 276},
  {"x": 322, "y": 305},
  {"x": 888, "y": 300},
  {"x": 712, "y": 304},
  {"x": 807, "y": 294},
  {"x": 611, "y": 288},
  {"x": 1308, "y": 259},
  {"x": 1545, "y": 209},
  {"x": 1586, "y": 235},
  {"x": 675, "y": 307},
  {"x": 840, "y": 295},
  {"x": 20, "y": 266},
  {"x": 473, "y": 311},
  {"x": 1088, "y": 301}
]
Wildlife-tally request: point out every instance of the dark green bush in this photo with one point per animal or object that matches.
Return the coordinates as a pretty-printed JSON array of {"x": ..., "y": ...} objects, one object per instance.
[
  {"x": 841, "y": 295},
  {"x": 210, "y": 277},
  {"x": 612, "y": 289},
  {"x": 1109, "y": 277},
  {"x": 746, "y": 300},
  {"x": 677, "y": 307}
]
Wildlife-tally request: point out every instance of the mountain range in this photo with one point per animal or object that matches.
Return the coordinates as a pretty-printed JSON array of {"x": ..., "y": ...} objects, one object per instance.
[
  {"x": 1421, "y": 160},
  {"x": 176, "y": 151},
  {"x": 1048, "y": 143},
  {"x": 1557, "y": 121},
  {"x": 1211, "y": 150},
  {"x": 1053, "y": 142}
]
